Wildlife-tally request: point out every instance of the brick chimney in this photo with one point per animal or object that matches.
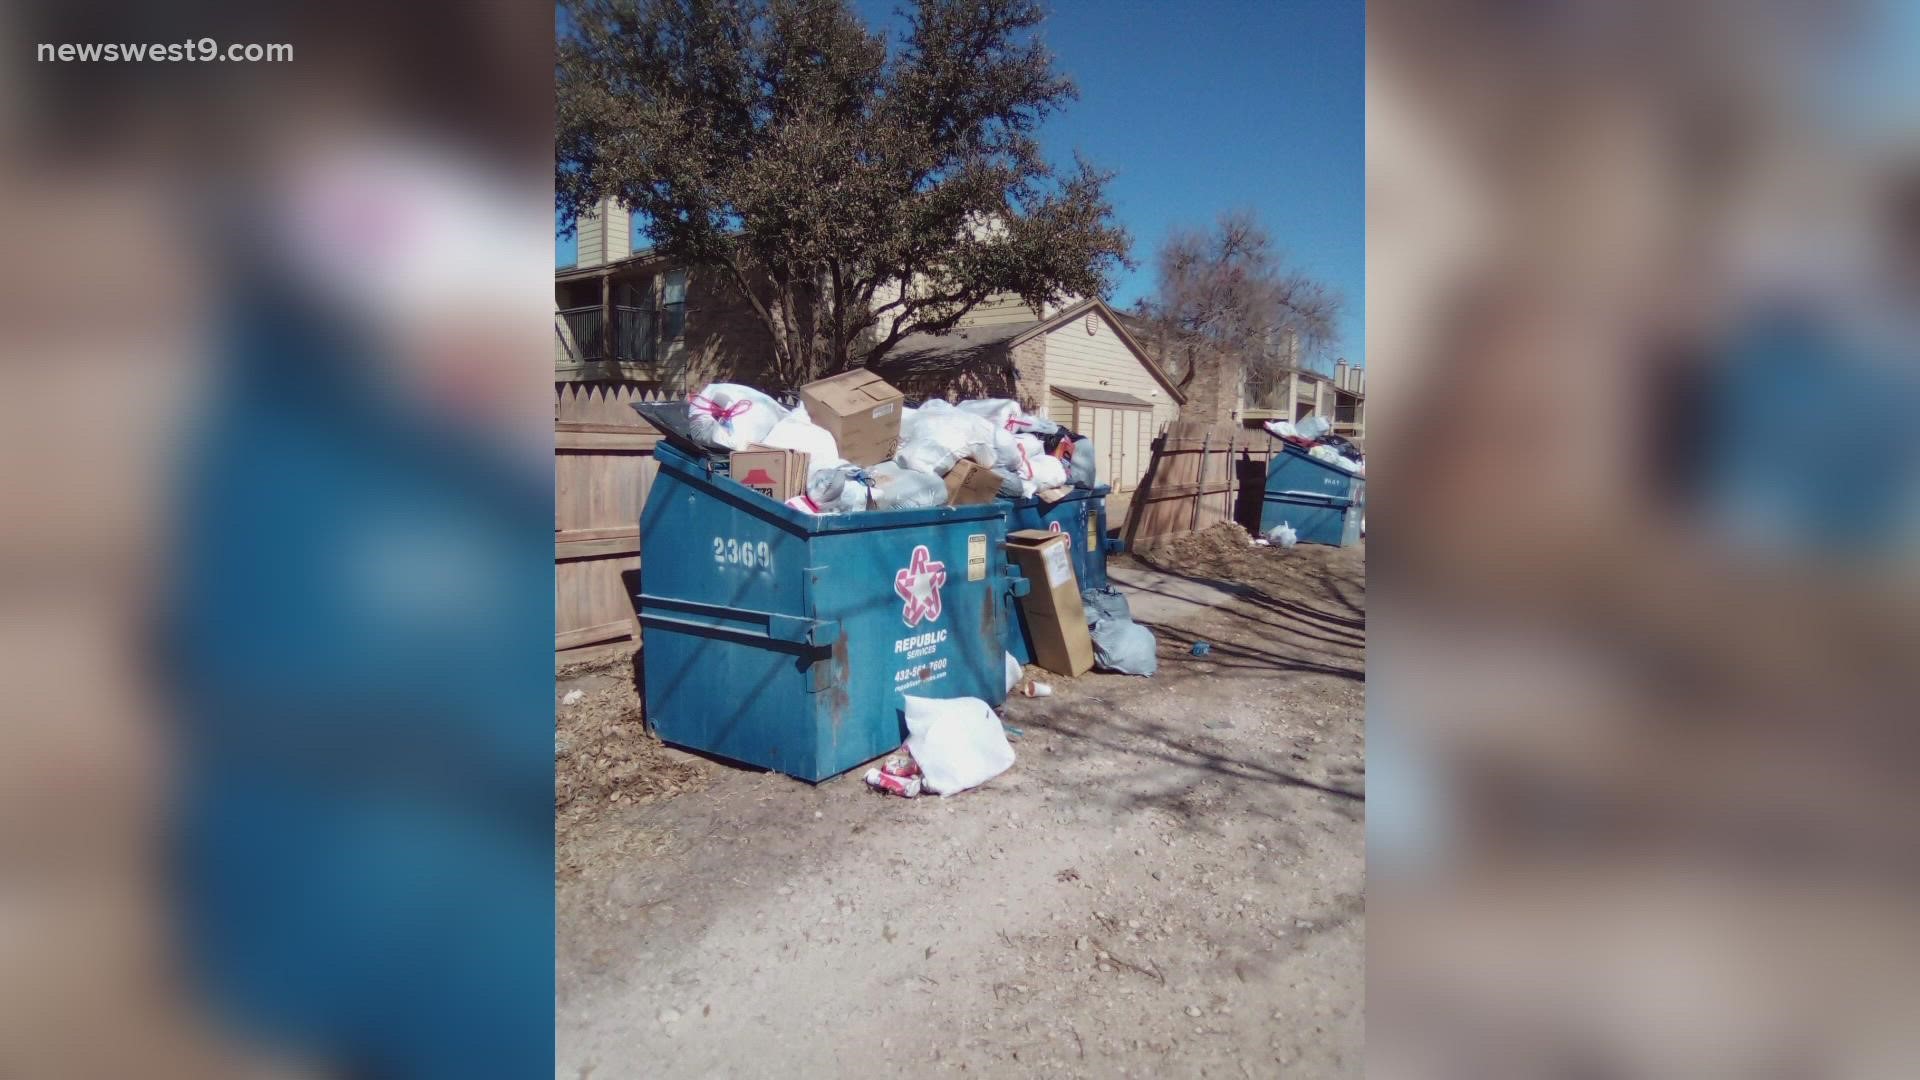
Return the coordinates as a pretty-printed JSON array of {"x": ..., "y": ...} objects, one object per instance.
[{"x": 1214, "y": 390}]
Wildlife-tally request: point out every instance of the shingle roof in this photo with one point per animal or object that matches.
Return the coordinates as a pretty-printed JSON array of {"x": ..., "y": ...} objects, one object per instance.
[{"x": 1101, "y": 397}]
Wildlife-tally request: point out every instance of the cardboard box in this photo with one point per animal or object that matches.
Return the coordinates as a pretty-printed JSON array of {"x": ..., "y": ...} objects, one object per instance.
[
  {"x": 1055, "y": 619},
  {"x": 862, "y": 412},
  {"x": 777, "y": 474},
  {"x": 971, "y": 483}
]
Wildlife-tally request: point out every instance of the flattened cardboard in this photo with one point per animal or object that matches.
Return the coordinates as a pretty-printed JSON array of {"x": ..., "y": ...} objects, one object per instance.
[
  {"x": 777, "y": 474},
  {"x": 862, "y": 412},
  {"x": 971, "y": 483},
  {"x": 1055, "y": 620}
]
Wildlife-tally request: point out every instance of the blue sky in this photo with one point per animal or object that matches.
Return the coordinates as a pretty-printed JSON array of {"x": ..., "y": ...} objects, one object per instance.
[{"x": 1211, "y": 105}]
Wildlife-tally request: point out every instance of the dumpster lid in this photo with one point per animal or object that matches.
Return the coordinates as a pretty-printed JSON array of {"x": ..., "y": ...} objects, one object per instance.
[{"x": 672, "y": 420}]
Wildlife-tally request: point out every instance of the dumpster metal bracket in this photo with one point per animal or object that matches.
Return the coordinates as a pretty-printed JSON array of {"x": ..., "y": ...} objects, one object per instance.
[{"x": 738, "y": 623}]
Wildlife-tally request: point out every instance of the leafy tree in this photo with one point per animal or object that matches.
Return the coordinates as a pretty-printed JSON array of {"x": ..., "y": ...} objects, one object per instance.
[
  {"x": 818, "y": 168},
  {"x": 1226, "y": 295}
]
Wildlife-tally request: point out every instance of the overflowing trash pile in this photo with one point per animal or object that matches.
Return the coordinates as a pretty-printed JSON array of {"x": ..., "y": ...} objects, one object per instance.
[
  {"x": 996, "y": 448},
  {"x": 1315, "y": 435},
  {"x": 850, "y": 444}
]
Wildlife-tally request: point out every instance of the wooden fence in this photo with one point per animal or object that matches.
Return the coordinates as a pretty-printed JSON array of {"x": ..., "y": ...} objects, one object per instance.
[
  {"x": 1198, "y": 477},
  {"x": 602, "y": 467}
]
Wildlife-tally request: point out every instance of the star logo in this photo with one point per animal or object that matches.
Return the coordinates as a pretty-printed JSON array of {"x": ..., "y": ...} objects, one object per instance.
[{"x": 919, "y": 586}]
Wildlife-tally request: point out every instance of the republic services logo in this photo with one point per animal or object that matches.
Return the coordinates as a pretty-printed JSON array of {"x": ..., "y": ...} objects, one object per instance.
[{"x": 919, "y": 586}]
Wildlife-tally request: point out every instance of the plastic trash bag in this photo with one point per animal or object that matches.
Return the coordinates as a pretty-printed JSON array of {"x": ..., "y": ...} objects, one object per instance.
[
  {"x": 1026, "y": 449},
  {"x": 1333, "y": 457},
  {"x": 1048, "y": 472},
  {"x": 1283, "y": 534},
  {"x": 1082, "y": 470},
  {"x": 958, "y": 743},
  {"x": 1013, "y": 486},
  {"x": 732, "y": 417},
  {"x": 1313, "y": 427},
  {"x": 895, "y": 488},
  {"x": 995, "y": 411},
  {"x": 927, "y": 456},
  {"x": 1282, "y": 428},
  {"x": 842, "y": 489},
  {"x": 1038, "y": 425},
  {"x": 1106, "y": 603},
  {"x": 1006, "y": 450},
  {"x": 796, "y": 432},
  {"x": 1013, "y": 673},
  {"x": 945, "y": 425},
  {"x": 1124, "y": 646}
]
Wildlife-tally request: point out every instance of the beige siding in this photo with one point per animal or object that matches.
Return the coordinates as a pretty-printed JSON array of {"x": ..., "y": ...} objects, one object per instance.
[
  {"x": 1060, "y": 410},
  {"x": 592, "y": 232},
  {"x": 605, "y": 236},
  {"x": 1101, "y": 361},
  {"x": 998, "y": 311}
]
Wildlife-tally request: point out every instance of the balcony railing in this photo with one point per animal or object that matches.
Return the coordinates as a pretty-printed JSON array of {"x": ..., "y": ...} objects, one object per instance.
[{"x": 583, "y": 335}]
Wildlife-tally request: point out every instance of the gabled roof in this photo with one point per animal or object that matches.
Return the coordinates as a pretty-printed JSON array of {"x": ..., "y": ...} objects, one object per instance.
[
  {"x": 923, "y": 353},
  {"x": 1074, "y": 311}
]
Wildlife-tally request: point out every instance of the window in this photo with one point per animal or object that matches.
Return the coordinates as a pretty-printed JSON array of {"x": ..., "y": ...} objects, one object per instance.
[{"x": 673, "y": 305}]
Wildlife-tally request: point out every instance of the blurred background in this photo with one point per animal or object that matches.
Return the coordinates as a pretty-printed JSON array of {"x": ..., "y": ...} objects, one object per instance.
[
  {"x": 1646, "y": 485},
  {"x": 274, "y": 781}
]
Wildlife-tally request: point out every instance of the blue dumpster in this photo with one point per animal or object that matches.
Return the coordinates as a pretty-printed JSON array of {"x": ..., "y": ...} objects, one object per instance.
[
  {"x": 1323, "y": 503},
  {"x": 1293, "y": 469},
  {"x": 785, "y": 640},
  {"x": 1082, "y": 516}
]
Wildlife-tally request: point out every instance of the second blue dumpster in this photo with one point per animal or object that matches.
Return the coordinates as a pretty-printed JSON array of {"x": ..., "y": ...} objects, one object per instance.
[
  {"x": 786, "y": 640},
  {"x": 1323, "y": 503},
  {"x": 1082, "y": 515}
]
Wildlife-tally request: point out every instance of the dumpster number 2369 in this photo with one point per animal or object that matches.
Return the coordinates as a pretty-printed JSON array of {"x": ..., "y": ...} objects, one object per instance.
[{"x": 742, "y": 553}]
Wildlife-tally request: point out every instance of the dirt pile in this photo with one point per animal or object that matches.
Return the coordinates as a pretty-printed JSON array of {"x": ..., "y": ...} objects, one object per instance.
[
  {"x": 603, "y": 754},
  {"x": 1226, "y": 552}
]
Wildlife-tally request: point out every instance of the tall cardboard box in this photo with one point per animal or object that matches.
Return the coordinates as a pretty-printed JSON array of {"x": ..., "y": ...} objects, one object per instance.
[
  {"x": 861, "y": 410},
  {"x": 777, "y": 474},
  {"x": 970, "y": 483},
  {"x": 1056, "y": 621}
]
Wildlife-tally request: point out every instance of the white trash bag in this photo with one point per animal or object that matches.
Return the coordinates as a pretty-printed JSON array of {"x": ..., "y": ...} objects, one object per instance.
[
  {"x": 958, "y": 743},
  {"x": 995, "y": 411},
  {"x": 1048, "y": 472},
  {"x": 1335, "y": 458},
  {"x": 796, "y": 431},
  {"x": 1013, "y": 673},
  {"x": 927, "y": 456},
  {"x": 1313, "y": 427},
  {"x": 731, "y": 417},
  {"x": 895, "y": 488},
  {"x": 943, "y": 423},
  {"x": 1283, "y": 535},
  {"x": 841, "y": 489}
]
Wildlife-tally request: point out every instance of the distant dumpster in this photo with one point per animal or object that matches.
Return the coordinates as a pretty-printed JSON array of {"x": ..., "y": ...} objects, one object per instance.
[
  {"x": 786, "y": 640},
  {"x": 1322, "y": 502},
  {"x": 1082, "y": 515}
]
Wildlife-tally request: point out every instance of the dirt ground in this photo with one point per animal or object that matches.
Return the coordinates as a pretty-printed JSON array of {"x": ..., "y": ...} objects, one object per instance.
[{"x": 1170, "y": 881}]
